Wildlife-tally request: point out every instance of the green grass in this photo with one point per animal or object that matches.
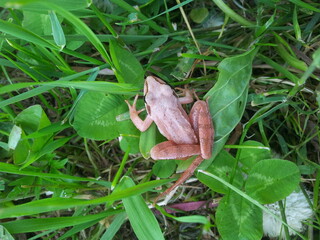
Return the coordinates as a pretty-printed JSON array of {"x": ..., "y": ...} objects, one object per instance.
[{"x": 73, "y": 166}]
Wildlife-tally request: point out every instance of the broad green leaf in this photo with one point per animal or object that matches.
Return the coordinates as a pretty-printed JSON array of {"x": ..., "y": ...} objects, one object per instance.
[
  {"x": 272, "y": 180},
  {"x": 73, "y": 45},
  {"x": 4, "y": 234},
  {"x": 35, "y": 22},
  {"x": 253, "y": 153},
  {"x": 248, "y": 198},
  {"x": 14, "y": 137},
  {"x": 131, "y": 141},
  {"x": 142, "y": 220},
  {"x": 57, "y": 31},
  {"x": 164, "y": 168},
  {"x": 184, "y": 164},
  {"x": 95, "y": 116},
  {"x": 148, "y": 140},
  {"x": 198, "y": 15},
  {"x": 40, "y": 224},
  {"x": 127, "y": 68},
  {"x": 223, "y": 166},
  {"x": 30, "y": 120},
  {"x": 46, "y": 149},
  {"x": 237, "y": 218},
  {"x": 228, "y": 98}
]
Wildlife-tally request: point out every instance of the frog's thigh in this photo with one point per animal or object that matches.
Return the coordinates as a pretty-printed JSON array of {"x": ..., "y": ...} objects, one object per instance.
[
  {"x": 171, "y": 150},
  {"x": 201, "y": 121}
]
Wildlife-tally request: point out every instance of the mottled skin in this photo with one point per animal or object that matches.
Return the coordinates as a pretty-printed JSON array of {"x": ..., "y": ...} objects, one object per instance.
[{"x": 188, "y": 135}]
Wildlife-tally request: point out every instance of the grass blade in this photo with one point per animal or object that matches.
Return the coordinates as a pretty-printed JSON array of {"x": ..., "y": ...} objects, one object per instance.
[
  {"x": 22, "y": 33},
  {"x": 40, "y": 224},
  {"x": 305, "y": 5},
  {"x": 250, "y": 199},
  {"x": 232, "y": 14},
  {"x": 142, "y": 220},
  {"x": 53, "y": 204}
]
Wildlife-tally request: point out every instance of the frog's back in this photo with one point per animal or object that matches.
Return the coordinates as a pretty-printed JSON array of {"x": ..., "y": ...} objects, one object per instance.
[{"x": 175, "y": 125}]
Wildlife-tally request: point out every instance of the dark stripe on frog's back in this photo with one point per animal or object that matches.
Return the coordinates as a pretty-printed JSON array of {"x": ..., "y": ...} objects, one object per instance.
[{"x": 173, "y": 129}]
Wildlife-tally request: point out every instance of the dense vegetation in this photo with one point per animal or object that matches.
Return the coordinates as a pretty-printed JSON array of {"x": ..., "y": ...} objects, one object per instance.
[{"x": 72, "y": 164}]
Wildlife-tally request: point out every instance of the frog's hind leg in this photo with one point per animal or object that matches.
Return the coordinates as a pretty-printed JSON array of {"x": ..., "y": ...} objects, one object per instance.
[
  {"x": 201, "y": 122},
  {"x": 171, "y": 150},
  {"x": 185, "y": 175}
]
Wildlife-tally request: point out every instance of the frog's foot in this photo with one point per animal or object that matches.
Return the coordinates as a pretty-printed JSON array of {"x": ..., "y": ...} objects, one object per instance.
[
  {"x": 186, "y": 95},
  {"x": 132, "y": 108},
  {"x": 185, "y": 91}
]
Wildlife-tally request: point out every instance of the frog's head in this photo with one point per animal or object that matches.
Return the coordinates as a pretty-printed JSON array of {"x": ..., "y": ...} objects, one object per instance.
[{"x": 156, "y": 89}]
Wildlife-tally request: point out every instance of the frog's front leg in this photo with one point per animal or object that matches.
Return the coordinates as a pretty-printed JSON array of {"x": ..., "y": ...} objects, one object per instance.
[{"x": 142, "y": 125}]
